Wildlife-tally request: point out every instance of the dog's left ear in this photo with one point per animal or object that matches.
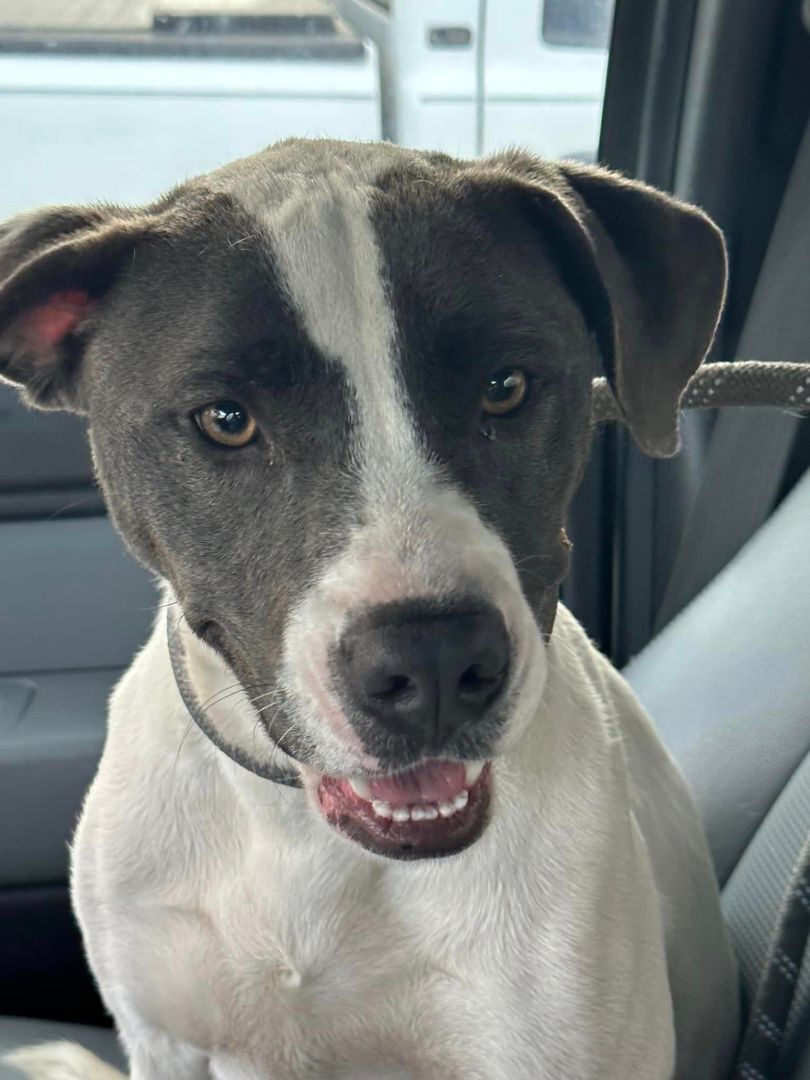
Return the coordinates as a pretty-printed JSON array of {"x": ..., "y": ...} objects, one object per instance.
[
  {"x": 650, "y": 274},
  {"x": 56, "y": 267}
]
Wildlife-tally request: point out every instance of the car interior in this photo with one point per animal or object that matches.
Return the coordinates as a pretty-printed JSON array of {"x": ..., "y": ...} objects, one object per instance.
[{"x": 691, "y": 574}]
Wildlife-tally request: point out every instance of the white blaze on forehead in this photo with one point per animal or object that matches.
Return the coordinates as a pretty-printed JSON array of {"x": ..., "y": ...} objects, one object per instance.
[
  {"x": 327, "y": 255},
  {"x": 326, "y": 250}
]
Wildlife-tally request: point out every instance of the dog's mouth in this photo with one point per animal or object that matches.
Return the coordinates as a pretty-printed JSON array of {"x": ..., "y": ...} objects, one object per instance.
[{"x": 436, "y": 809}]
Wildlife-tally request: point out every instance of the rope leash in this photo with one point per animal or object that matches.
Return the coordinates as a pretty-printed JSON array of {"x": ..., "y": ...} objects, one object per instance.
[{"x": 744, "y": 382}]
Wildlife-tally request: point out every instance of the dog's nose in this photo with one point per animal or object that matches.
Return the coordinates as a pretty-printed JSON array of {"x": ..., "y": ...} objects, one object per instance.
[{"x": 423, "y": 672}]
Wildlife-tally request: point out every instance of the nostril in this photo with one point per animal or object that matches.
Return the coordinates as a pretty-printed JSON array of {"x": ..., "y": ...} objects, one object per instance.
[
  {"x": 476, "y": 682},
  {"x": 392, "y": 688}
]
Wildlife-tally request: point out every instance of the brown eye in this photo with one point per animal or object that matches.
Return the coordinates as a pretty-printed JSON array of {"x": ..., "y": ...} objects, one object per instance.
[
  {"x": 227, "y": 423},
  {"x": 505, "y": 391}
]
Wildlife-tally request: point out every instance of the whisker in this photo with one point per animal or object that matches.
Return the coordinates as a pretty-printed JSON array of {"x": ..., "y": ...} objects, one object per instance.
[
  {"x": 530, "y": 558},
  {"x": 268, "y": 693},
  {"x": 183, "y": 740},
  {"x": 277, "y": 743},
  {"x": 222, "y": 695},
  {"x": 269, "y": 705},
  {"x": 159, "y": 607}
]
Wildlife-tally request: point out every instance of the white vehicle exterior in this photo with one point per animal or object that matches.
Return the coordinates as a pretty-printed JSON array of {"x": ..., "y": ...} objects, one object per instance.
[
  {"x": 77, "y": 129},
  {"x": 539, "y": 95},
  {"x": 507, "y": 85},
  {"x": 464, "y": 76}
]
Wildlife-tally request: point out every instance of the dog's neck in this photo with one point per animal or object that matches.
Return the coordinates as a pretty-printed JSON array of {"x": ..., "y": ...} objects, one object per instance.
[
  {"x": 199, "y": 714},
  {"x": 218, "y": 703}
]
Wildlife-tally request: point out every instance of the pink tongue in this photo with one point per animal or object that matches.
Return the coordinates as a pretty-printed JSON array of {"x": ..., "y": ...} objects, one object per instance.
[{"x": 436, "y": 781}]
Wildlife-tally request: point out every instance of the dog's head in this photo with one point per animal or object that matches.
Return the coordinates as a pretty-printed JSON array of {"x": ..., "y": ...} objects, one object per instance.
[{"x": 339, "y": 397}]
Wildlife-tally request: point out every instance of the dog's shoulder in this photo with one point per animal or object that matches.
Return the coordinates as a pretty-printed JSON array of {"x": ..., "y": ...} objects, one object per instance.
[{"x": 699, "y": 955}]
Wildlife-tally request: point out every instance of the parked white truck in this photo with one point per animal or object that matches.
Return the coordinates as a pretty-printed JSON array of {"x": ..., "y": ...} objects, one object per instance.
[
  {"x": 123, "y": 111},
  {"x": 473, "y": 76}
]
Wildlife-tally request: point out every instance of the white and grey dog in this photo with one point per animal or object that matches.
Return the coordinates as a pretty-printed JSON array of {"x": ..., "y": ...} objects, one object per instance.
[{"x": 339, "y": 400}]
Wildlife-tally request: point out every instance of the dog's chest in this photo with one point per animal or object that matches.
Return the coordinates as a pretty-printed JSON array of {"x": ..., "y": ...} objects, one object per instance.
[{"x": 305, "y": 969}]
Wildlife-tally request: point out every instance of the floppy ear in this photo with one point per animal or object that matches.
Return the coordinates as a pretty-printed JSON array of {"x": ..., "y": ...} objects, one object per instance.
[
  {"x": 649, "y": 272},
  {"x": 664, "y": 267},
  {"x": 55, "y": 267}
]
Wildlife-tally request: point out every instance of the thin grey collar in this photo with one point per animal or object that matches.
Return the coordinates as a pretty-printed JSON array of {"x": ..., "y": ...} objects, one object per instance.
[{"x": 197, "y": 714}]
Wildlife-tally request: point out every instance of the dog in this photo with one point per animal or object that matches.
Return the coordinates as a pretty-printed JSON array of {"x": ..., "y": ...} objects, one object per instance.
[{"x": 339, "y": 402}]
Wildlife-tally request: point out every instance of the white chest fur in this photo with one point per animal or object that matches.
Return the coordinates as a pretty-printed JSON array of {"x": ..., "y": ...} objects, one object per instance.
[{"x": 219, "y": 912}]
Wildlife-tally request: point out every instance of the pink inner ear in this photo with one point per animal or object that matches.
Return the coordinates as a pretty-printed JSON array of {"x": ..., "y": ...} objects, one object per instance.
[{"x": 47, "y": 324}]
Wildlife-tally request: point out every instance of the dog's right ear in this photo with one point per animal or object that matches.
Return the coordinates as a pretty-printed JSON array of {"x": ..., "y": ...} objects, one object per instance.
[
  {"x": 56, "y": 266},
  {"x": 648, "y": 270}
]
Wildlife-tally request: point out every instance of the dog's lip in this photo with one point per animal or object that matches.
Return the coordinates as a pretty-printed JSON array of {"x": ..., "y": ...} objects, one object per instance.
[{"x": 354, "y": 816}]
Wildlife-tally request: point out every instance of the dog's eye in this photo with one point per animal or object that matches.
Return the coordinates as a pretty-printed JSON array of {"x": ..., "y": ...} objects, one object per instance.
[
  {"x": 505, "y": 391},
  {"x": 227, "y": 423}
]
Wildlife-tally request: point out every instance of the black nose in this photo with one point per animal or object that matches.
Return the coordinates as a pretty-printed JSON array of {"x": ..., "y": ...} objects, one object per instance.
[{"x": 424, "y": 672}]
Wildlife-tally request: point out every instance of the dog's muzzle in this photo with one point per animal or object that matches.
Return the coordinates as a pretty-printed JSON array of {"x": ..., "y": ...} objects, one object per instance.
[
  {"x": 421, "y": 672},
  {"x": 419, "y": 680}
]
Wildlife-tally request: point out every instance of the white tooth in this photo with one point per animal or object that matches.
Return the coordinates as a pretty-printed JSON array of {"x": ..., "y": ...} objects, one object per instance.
[
  {"x": 418, "y": 813},
  {"x": 429, "y": 813},
  {"x": 446, "y": 809},
  {"x": 381, "y": 809},
  {"x": 472, "y": 770},
  {"x": 360, "y": 787},
  {"x": 461, "y": 800},
  {"x": 402, "y": 813}
]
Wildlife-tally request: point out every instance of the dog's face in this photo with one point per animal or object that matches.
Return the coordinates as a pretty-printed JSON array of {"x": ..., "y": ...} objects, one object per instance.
[{"x": 339, "y": 397}]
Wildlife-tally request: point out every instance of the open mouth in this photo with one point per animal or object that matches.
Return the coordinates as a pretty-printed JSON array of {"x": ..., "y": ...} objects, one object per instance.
[{"x": 433, "y": 810}]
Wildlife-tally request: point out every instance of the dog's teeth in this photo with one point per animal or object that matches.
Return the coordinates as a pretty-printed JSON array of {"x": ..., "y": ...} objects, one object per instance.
[
  {"x": 360, "y": 787},
  {"x": 461, "y": 800},
  {"x": 472, "y": 770},
  {"x": 423, "y": 812},
  {"x": 381, "y": 809}
]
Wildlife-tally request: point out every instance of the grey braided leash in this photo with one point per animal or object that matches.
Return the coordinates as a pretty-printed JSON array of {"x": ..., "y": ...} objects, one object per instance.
[{"x": 744, "y": 382}]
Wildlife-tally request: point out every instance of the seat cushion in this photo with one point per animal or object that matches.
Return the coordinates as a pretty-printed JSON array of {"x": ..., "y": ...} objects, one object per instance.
[
  {"x": 753, "y": 898},
  {"x": 15, "y": 1032},
  {"x": 727, "y": 682}
]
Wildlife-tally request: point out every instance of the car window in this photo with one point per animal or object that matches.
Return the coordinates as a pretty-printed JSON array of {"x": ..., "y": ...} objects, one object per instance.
[{"x": 579, "y": 24}]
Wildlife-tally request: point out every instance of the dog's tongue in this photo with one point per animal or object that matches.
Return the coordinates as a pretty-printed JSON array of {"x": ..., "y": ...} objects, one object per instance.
[{"x": 434, "y": 782}]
